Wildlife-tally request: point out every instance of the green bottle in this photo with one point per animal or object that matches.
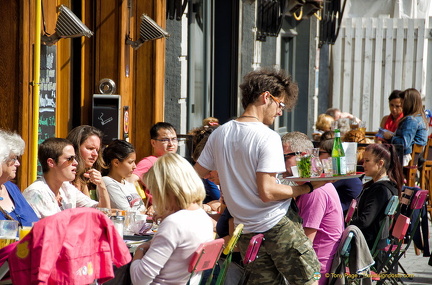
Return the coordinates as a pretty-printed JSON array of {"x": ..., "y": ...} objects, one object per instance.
[{"x": 338, "y": 155}]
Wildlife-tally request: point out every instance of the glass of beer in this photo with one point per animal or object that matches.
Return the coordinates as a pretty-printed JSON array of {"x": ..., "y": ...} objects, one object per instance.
[
  {"x": 23, "y": 231},
  {"x": 8, "y": 232}
]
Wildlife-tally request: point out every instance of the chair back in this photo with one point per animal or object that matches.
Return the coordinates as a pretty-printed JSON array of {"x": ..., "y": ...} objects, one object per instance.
[
  {"x": 417, "y": 150},
  {"x": 228, "y": 252},
  {"x": 233, "y": 241},
  {"x": 427, "y": 154},
  {"x": 351, "y": 210},
  {"x": 253, "y": 248},
  {"x": 392, "y": 206},
  {"x": 400, "y": 227},
  {"x": 389, "y": 211},
  {"x": 346, "y": 248},
  {"x": 206, "y": 255},
  {"x": 419, "y": 199}
]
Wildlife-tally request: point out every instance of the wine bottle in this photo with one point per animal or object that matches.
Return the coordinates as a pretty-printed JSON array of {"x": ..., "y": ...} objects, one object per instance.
[{"x": 338, "y": 155}]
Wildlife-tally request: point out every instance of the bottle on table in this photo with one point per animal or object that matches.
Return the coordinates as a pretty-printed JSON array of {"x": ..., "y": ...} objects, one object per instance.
[{"x": 338, "y": 155}]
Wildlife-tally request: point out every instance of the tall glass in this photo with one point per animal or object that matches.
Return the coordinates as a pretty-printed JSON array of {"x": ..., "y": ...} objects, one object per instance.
[
  {"x": 304, "y": 165},
  {"x": 8, "y": 232}
]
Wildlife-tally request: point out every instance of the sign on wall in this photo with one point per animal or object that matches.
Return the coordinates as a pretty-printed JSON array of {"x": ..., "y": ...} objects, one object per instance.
[{"x": 47, "y": 95}]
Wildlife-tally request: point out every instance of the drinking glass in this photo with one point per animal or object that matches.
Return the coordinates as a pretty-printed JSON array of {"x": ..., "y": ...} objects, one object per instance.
[
  {"x": 327, "y": 166},
  {"x": 316, "y": 166},
  {"x": 362, "y": 126},
  {"x": 106, "y": 211},
  {"x": 23, "y": 231},
  {"x": 8, "y": 232},
  {"x": 129, "y": 223},
  {"x": 304, "y": 165}
]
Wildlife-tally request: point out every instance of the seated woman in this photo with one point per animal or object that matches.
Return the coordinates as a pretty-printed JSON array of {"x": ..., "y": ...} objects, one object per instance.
[
  {"x": 381, "y": 162},
  {"x": 120, "y": 159},
  {"x": 86, "y": 141},
  {"x": 412, "y": 128},
  {"x": 390, "y": 122},
  {"x": 177, "y": 196},
  {"x": 13, "y": 205}
]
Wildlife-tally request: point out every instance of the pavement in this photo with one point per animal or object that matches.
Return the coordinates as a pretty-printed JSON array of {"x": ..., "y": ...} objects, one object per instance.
[{"x": 417, "y": 265}]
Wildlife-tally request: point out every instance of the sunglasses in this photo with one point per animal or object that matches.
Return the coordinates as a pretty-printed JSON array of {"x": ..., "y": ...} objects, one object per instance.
[
  {"x": 70, "y": 159},
  {"x": 280, "y": 104}
]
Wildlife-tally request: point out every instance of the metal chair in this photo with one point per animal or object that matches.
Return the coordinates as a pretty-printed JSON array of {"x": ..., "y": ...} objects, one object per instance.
[
  {"x": 205, "y": 257},
  {"x": 426, "y": 174},
  {"x": 393, "y": 250},
  {"x": 228, "y": 252},
  {"x": 345, "y": 264},
  {"x": 250, "y": 256},
  {"x": 389, "y": 211},
  {"x": 403, "y": 233},
  {"x": 350, "y": 212}
]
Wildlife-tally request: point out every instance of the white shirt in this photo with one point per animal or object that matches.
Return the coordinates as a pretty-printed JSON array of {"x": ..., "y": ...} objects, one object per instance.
[
  {"x": 238, "y": 150},
  {"x": 167, "y": 260},
  {"x": 122, "y": 194},
  {"x": 43, "y": 201}
]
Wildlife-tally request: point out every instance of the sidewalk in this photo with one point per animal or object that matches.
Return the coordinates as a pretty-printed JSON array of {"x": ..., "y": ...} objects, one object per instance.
[{"x": 417, "y": 265}]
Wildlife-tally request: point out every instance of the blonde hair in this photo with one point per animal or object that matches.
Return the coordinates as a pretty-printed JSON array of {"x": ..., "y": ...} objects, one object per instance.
[
  {"x": 324, "y": 122},
  {"x": 210, "y": 121},
  {"x": 174, "y": 184}
]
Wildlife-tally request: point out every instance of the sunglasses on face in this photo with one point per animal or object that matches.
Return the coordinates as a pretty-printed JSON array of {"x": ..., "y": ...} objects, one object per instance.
[
  {"x": 280, "y": 104},
  {"x": 70, "y": 159}
]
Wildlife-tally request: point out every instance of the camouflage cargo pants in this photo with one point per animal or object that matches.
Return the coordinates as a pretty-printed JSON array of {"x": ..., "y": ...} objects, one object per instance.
[{"x": 285, "y": 252}]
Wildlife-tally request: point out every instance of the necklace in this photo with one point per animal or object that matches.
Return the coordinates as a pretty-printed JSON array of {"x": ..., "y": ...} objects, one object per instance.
[{"x": 250, "y": 117}]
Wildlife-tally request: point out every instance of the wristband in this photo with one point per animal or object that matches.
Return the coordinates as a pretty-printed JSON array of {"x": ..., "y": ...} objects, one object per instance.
[{"x": 310, "y": 186}]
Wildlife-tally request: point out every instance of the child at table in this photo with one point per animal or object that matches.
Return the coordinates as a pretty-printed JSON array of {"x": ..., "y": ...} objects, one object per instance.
[{"x": 178, "y": 193}]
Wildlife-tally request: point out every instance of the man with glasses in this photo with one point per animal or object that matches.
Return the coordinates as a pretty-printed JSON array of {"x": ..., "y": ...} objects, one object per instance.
[
  {"x": 247, "y": 155},
  {"x": 321, "y": 210},
  {"x": 163, "y": 138},
  {"x": 53, "y": 192}
]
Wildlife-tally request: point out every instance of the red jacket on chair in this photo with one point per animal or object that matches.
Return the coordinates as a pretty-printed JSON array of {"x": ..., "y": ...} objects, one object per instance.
[{"x": 75, "y": 246}]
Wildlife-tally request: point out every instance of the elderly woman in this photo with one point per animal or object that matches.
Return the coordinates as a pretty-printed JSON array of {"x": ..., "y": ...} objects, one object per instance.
[
  {"x": 13, "y": 205},
  {"x": 177, "y": 196},
  {"x": 87, "y": 144}
]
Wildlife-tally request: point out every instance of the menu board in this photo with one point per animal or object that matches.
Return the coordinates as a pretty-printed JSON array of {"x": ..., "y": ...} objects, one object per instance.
[{"x": 47, "y": 95}]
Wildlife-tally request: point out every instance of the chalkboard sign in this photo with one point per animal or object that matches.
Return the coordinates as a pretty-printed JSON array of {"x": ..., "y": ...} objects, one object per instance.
[{"x": 47, "y": 94}]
